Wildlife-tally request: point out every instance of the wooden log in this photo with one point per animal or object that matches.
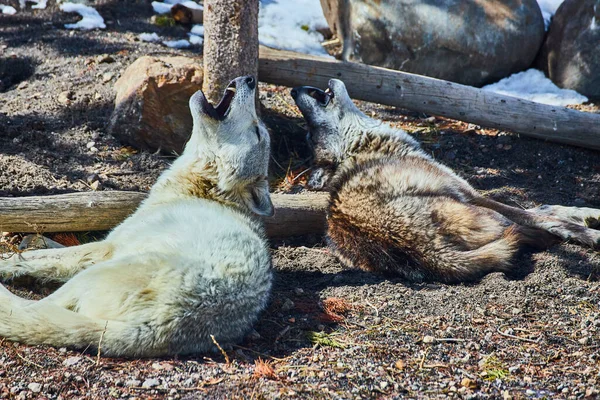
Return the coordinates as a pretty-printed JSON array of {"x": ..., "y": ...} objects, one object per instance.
[
  {"x": 297, "y": 214},
  {"x": 434, "y": 96}
]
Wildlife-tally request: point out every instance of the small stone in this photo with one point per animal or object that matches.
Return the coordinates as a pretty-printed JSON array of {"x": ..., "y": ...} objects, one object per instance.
[
  {"x": 89, "y": 145},
  {"x": 92, "y": 178},
  {"x": 35, "y": 387},
  {"x": 149, "y": 383},
  {"x": 97, "y": 96},
  {"x": 530, "y": 392},
  {"x": 66, "y": 97},
  {"x": 468, "y": 383},
  {"x": 133, "y": 383},
  {"x": 383, "y": 385},
  {"x": 584, "y": 340},
  {"x": 96, "y": 135},
  {"x": 399, "y": 365},
  {"x": 105, "y": 58},
  {"x": 428, "y": 339},
  {"x": 507, "y": 147},
  {"x": 93, "y": 149},
  {"x": 22, "y": 85},
  {"x": 515, "y": 311},
  {"x": 95, "y": 185},
  {"x": 298, "y": 291},
  {"x": 287, "y": 305},
  {"x": 71, "y": 361},
  {"x": 107, "y": 77}
]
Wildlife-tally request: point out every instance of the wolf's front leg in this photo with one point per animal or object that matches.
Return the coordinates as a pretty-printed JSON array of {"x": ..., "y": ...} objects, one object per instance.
[{"x": 55, "y": 264}]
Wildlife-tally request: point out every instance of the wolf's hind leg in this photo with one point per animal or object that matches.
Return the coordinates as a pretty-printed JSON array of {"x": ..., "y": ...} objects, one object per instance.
[
  {"x": 55, "y": 264},
  {"x": 589, "y": 217}
]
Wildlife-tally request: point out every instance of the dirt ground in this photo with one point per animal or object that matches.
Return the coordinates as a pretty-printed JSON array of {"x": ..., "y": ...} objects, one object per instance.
[{"x": 328, "y": 332}]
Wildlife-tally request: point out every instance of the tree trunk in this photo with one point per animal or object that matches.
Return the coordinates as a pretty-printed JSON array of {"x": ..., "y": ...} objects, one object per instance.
[
  {"x": 230, "y": 43},
  {"x": 434, "y": 96}
]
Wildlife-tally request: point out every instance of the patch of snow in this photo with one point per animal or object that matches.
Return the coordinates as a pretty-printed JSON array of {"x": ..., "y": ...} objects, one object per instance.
[
  {"x": 91, "y": 19},
  {"x": 549, "y": 8},
  {"x": 41, "y": 4},
  {"x": 291, "y": 25},
  {"x": 198, "y": 30},
  {"x": 8, "y": 10},
  {"x": 149, "y": 37},
  {"x": 195, "y": 39},
  {"x": 534, "y": 86},
  {"x": 163, "y": 8},
  {"x": 177, "y": 44}
]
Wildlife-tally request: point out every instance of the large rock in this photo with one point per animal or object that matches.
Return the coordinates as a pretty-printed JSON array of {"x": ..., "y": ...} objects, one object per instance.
[
  {"x": 570, "y": 56},
  {"x": 469, "y": 42},
  {"x": 151, "y": 107}
]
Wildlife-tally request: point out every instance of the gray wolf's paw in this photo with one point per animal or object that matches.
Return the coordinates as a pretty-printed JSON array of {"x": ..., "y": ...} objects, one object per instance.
[
  {"x": 318, "y": 179},
  {"x": 588, "y": 217}
]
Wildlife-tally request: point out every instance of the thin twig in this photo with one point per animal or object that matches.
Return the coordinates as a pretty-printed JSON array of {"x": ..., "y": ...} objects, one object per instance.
[
  {"x": 220, "y": 349},
  {"x": 423, "y": 359},
  {"x": 508, "y": 335},
  {"x": 28, "y": 361},
  {"x": 100, "y": 345}
]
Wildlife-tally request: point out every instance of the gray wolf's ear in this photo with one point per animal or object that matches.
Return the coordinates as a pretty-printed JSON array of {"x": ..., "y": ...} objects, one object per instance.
[{"x": 258, "y": 200}]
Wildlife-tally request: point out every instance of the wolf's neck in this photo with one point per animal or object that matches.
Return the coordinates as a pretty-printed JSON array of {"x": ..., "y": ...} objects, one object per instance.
[
  {"x": 188, "y": 177},
  {"x": 382, "y": 140}
]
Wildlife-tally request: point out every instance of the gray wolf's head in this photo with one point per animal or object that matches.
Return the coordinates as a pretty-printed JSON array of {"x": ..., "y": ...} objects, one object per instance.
[
  {"x": 234, "y": 141},
  {"x": 331, "y": 116},
  {"x": 334, "y": 124}
]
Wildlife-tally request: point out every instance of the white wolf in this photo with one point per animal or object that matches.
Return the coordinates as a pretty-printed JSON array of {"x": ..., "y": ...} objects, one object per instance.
[
  {"x": 191, "y": 262},
  {"x": 395, "y": 209}
]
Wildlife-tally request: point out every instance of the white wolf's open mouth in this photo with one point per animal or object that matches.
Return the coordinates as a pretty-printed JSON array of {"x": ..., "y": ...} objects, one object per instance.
[{"x": 222, "y": 109}]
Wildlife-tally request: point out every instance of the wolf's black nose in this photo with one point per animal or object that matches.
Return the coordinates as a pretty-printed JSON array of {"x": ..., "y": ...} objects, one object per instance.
[
  {"x": 294, "y": 93},
  {"x": 250, "y": 82}
]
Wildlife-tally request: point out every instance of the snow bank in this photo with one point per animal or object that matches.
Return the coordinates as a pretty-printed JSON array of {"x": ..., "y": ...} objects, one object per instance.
[
  {"x": 163, "y": 8},
  {"x": 177, "y": 44},
  {"x": 8, "y": 10},
  {"x": 195, "y": 39},
  {"x": 291, "y": 25},
  {"x": 549, "y": 8},
  {"x": 533, "y": 85},
  {"x": 91, "y": 19},
  {"x": 197, "y": 30},
  {"x": 149, "y": 37}
]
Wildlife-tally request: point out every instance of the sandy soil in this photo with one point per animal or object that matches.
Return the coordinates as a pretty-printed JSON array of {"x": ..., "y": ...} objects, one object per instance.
[{"x": 328, "y": 332}]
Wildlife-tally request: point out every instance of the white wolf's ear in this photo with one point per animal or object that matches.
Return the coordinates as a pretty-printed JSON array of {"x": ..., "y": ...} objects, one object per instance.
[{"x": 258, "y": 199}]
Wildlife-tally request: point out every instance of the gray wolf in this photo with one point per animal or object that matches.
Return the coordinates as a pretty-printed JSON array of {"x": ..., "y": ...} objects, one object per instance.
[{"x": 394, "y": 209}]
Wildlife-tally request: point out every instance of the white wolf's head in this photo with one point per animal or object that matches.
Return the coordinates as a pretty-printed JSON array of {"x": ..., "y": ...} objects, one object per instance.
[{"x": 232, "y": 140}]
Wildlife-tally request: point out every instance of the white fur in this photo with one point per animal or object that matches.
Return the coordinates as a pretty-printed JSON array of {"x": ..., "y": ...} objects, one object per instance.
[{"x": 180, "y": 269}]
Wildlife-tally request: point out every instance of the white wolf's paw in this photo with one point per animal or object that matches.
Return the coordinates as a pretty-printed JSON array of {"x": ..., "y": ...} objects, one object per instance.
[{"x": 589, "y": 217}]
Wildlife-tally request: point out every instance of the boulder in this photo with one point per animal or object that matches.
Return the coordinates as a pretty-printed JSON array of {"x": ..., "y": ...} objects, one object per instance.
[
  {"x": 570, "y": 55},
  {"x": 151, "y": 107},
  {"x": 469, "y": 42}
]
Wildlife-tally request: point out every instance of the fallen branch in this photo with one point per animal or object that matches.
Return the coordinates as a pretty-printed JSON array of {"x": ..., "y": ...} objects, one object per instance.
[
  {"x": 434, "y": 96},
  {"x": 508, "y": 335},
  {"x": 296, "y": 214}
]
